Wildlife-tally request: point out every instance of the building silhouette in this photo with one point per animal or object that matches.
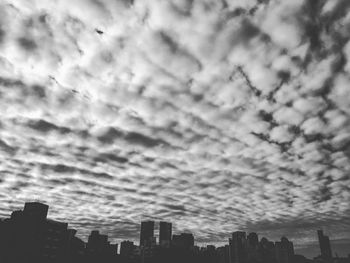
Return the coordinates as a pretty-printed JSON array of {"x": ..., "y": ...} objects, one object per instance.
[
  {"x": 127, "y": 251},
  {"x": 28, "y": 236},
  {"x": 36, "y": 211},
  {"x": 238, "y": 247},
  {"x": 284, "y": 251},
  {"x": 252, "y": 247},
  {"x": 267, "y": 251},
  {"x": 325, "y": 246},
  {"x": 147, "y": 233},
  {"x": 165, "y": 233},
  {"x": 38, "y": 239},
  {"x": 97, "y": 244}
]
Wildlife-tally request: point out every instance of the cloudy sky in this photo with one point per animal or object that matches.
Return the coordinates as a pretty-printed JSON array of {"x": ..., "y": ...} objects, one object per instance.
[{"x": 215, "y": 115}]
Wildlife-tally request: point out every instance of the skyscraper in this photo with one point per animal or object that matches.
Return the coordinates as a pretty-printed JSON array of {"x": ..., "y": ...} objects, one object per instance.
[
  {"x": 284, "y": 251},
  {"x": 165, "y": 232},
  {"x": 97, "y": 243},
  {"x": 238, "y": 247},
  {"x": 147, "y": 233},
  {"x": 253, "y": 239},
  {"x": 325, "y": 245},
  {"x": 36, "y": 210},
  {"x": 252, "y": 247}
]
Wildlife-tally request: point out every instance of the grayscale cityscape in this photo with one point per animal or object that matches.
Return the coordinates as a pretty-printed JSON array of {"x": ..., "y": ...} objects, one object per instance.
[
  {"x": 174, "y": 131},
  {"x": 29, "y": 236}
]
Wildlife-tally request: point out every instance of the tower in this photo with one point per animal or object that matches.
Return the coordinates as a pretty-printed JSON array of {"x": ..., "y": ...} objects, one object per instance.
[
  {"x": 35, "y": 210},
  {"x": 252, "y": 247},
  {"x": 165, "y": 232},
  {"x": 147, "y": 233},
  {"x": 284, "y": 251},
  {"x": 238, "y": 247},
  {"x": 325, "y": 245}
]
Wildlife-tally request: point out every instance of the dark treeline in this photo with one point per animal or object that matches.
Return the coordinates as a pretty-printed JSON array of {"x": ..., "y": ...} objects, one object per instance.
[{"x": 29, "y": 237}]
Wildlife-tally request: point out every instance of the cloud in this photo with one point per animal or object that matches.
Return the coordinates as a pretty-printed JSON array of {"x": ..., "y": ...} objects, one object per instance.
[{"x": 215, "y": 115}]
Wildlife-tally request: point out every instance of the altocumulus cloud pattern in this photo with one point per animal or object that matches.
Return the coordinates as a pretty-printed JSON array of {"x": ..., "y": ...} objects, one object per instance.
[{"x": 216, "y": 115}]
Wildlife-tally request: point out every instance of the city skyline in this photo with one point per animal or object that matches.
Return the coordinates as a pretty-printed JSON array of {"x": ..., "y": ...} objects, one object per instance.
[
  {"x": 29, "y": 235},
  {"x": 217, "y": 115},
  {"x": 149, "y": 234}
]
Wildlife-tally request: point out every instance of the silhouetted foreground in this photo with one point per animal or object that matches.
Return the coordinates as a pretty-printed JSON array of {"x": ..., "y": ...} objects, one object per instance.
[{"x": 29, "y": 237}]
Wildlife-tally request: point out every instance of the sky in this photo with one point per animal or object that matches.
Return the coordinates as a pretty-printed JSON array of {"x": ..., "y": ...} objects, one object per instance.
[{"x": 215, "y": 115}]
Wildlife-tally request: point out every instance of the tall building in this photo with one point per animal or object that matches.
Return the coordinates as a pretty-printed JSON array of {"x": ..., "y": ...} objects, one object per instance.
[
  {"x": 165, "y": 232},
  {"x": 34, "y": 238},
  {"x": 36, "y": 210},
  {"x": 284, "y": 251},
  {"x": 29, "y": 232},
  {"x": 97, "y": 243},
  {"x": 147, "y": 233},
  {"x": 253, "y": 239},
  {"x": 238, "y": 247},
  {"x": 325, "y": 245},
  {"x": 252, "y": 247}
]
